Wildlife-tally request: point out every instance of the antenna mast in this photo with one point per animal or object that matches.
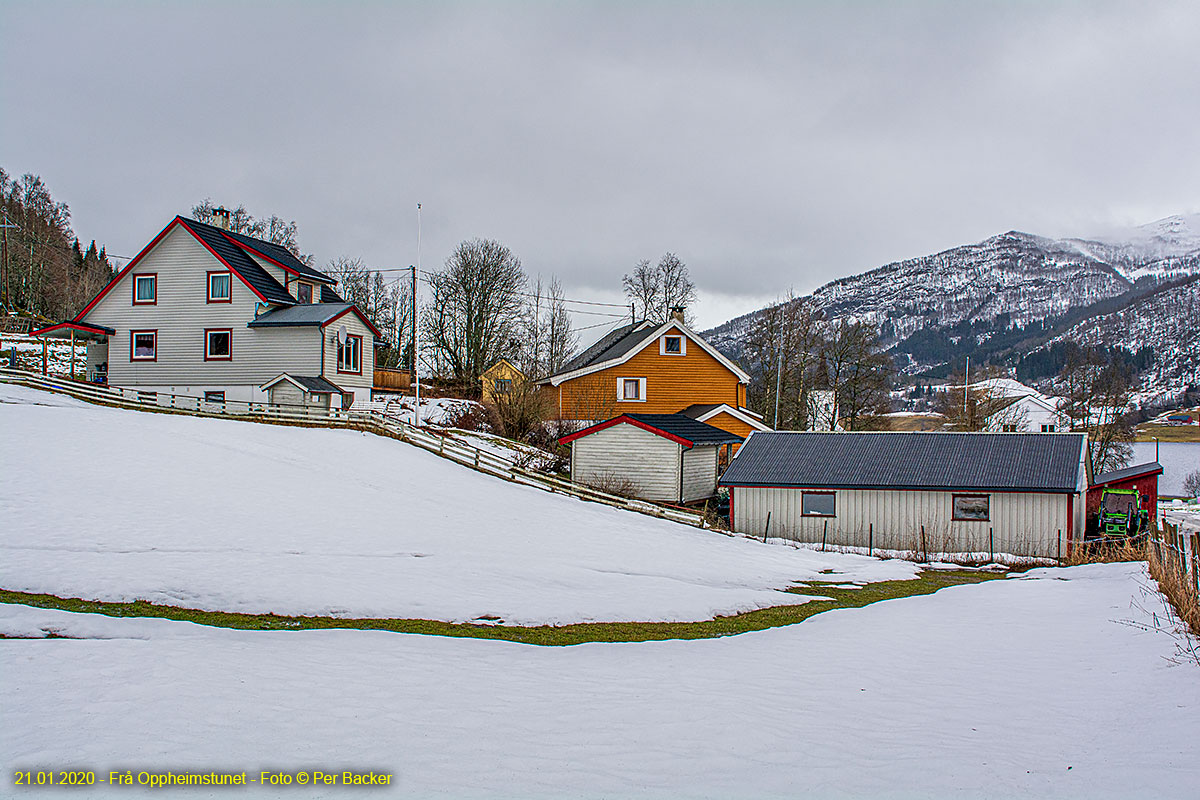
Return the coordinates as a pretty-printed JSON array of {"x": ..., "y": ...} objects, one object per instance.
[{"x": 416, "y": 371}]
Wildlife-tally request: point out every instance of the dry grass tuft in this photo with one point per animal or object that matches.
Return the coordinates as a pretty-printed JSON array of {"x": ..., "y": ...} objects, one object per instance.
[{"x": 1177, "y": 585}]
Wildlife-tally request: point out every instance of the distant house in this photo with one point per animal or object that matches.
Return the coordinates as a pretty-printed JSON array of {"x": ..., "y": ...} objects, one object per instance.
[
  {"x": 205, "y": 312},
  {"x": 499, "y": 379},
  {"x": 669, "y": 458},
  {"x": 1026, "y": 409},
  {"x": 652, "y": 368},
  {"x": 1018, "y": 493}
]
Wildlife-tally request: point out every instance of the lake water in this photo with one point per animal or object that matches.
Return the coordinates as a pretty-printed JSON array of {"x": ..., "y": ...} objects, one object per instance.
[{"x": 1177, "y": 458}]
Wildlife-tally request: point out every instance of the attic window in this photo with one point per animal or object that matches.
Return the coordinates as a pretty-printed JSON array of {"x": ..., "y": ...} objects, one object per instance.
[
  {"x": 304, "y": 292},
  {"x": 145, "y": 289},
  {"x": 218, "y": 287},
  {"x": 672, "y": 346}
]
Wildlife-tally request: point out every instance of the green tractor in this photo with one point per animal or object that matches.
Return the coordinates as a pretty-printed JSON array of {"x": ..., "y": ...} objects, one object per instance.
[{"x": 1121, "y": 516}]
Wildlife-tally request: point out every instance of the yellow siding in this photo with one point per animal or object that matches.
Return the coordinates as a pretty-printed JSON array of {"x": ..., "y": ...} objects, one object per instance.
[
  {"x": 730, "y": 424},
  {"x": 500, "y": 370},
  {"x": 673, "y": 383}
]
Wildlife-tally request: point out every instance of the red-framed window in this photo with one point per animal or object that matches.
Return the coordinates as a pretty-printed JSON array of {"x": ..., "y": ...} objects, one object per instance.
[
  {"x": 304, "y": 292},
  {"x": 145, "y": 289},
  {"x": 218, "y": 344},
  {"x": 220, "y": 286},
  {"x": 143, "y": 345},
  {"x": 349, "y": 355}
]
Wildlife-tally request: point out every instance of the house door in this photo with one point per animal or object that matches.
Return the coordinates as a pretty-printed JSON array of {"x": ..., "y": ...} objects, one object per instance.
[{"x": 97, "y": 362}]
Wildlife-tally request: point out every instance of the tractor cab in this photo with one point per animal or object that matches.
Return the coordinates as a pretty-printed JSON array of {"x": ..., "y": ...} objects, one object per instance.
[{"x": 1121, "y": 515}]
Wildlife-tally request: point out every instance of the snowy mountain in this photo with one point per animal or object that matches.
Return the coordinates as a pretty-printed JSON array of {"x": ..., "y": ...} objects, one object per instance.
[{"x": 1009, "y": 294}]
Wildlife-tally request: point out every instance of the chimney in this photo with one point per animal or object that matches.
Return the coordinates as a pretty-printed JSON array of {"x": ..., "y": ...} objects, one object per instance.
[
  {"x": 677, "y": 313},
  {"x": 221, "y": 217}
]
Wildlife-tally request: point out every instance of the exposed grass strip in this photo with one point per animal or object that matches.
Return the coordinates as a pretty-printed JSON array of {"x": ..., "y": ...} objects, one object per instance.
[{"x": 927, "y": 582}]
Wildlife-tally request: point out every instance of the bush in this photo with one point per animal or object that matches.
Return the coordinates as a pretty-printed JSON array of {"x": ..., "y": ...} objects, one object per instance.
[{"x": 1191, "y": 484}]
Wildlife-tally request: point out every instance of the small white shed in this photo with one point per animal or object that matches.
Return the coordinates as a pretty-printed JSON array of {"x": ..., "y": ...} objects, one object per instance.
[
  {"x": 666, "y": 458},
  {"x": 1017, "y": 493},
  {"x": 301, "y": 392}
]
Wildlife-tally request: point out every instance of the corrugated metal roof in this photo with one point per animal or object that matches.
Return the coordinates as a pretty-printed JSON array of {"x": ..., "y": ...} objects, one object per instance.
[
  {"x": 698, "y": 433},
  {"x": 1046, "y": 462},
  {"x": 1128, "y": 472},
  {"x": 300, "y": 315}
]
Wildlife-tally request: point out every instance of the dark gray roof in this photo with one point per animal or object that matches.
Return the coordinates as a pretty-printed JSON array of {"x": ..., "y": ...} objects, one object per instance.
[
  {"x": 281, "y": 254},
  {"x": 317, "y": 385},
  {"x": 1128, "y": 472},
  {"x": 612, "y": 345},
  {"x": 236, "y": 258},
  {"x": 328, "y": 295},
  {"x": 698, "y": 433},
  {"x": 299, "y": 315},
  {"x": 697, "y": 410},
  {"x": 1044, "y": 462}
]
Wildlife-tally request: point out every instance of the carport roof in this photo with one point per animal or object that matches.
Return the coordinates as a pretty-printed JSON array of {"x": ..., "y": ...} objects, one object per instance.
[{"x": 1034, "y": 462}]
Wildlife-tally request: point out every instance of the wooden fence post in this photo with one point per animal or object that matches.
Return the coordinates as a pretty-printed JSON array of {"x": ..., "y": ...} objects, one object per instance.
[{"x": 871, "y": 538}]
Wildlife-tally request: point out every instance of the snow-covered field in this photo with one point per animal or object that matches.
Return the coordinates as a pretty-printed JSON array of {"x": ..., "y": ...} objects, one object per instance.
[
  {"x": 1026, "y": 687},
  {"x": 217, "y": 514}
]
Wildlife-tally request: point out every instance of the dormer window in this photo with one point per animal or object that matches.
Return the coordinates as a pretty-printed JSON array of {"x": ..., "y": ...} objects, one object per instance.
[
  {"x": 304, "y": 292},
  {"x": 672, "y": 345},
  {"x": 145, "y": 290}
]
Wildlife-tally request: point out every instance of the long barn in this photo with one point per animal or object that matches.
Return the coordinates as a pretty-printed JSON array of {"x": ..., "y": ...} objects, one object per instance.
[{"x": 1014, "y": 493}]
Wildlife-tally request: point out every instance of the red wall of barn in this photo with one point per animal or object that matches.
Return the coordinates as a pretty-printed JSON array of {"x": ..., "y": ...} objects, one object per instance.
[{"x": 1146, "y": 485}]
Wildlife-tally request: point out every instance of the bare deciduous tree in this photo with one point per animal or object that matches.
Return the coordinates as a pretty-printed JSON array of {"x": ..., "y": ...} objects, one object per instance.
[
  {"x": 273, "y": 229},
  {"x": 1097, "y": 394},
  {"x": 386, "y": 304},
  {"x": 655, "y": 290},
  {"x": 475, "y": 310}
]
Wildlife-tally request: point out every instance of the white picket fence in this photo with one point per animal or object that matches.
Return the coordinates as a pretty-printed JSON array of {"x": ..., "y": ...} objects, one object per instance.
[{"x": 370, "y": 420}]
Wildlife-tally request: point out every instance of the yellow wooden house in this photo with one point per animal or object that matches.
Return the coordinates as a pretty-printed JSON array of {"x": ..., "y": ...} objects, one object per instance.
[
  {"x": 499, "y": 379},
  {"x": 653, "y": 368}
]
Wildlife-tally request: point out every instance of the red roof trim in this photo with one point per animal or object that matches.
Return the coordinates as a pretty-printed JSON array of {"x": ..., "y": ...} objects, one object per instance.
[
  {"x": 628, "y": 420},
  {"x": 112, "y": 284},
  {"x": 276, "y": 262},
  {"x": 361, "y": 316},
  {"x": 196, "y": 236},
  {"x": 80, "y": 326},
  {"x": 1132, "y": 476}
]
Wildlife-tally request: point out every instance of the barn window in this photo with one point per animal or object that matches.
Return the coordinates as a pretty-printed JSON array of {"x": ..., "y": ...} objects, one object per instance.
[
  {"x": 972, "y": 508},
  {"x": 672, "y": 346},
  {"x": 818, "y": 504},
  {"x": 631, "y": 390}
]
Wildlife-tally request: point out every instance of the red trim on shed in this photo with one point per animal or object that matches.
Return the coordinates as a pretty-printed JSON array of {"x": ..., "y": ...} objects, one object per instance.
[
  {"x": 79, "y": 326},
  {"x": 628, "y": 420}
]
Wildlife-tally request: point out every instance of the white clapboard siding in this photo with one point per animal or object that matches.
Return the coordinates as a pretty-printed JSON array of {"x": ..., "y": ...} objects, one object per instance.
[
  {"x": 360, "y": 384},
  {"x": 288, "y": 394},
  {"x": 626, "y": 452},
  {"x": 181, "y": 316},
  {"x": 1022, "y": 523},
  {"x": 699, "y": 473}
]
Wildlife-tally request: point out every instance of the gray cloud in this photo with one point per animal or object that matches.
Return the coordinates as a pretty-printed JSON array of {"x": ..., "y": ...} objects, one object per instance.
[{"x": 769, "y": 145}]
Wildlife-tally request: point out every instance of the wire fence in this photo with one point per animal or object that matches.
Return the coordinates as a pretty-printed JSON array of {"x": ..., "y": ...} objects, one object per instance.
[
  {"x": 1175, "y": 563},
  {"x": 371, "y": 420}
]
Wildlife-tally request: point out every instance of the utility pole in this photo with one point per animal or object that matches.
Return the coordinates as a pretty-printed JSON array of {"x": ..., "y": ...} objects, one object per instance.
[
  {"x": 416, "y": 360},
  {"x": 4, "y": 260},
  {"x": 966, "y": 393}
]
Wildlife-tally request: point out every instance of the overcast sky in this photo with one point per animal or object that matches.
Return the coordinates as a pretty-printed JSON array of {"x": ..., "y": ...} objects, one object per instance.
[{"x": 770, "y": 145}]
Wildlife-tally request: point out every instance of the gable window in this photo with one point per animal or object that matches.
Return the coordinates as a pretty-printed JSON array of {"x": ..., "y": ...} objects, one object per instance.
[
  {"x": 304, "y": 292},
  {"x": 818, "y": 504},
  {"x": 349, "y": 355},
  {"x": 219, "y": 287},
  {"x": 972, "y": 508},
  {"x": 218, "y": 344},
  {"x": 143, "y": 345},
  {"x": 632, "y": 390},
  {"x": 673, "y": 345},
  {"x": 502, "y": 386},
  {"x": 145, "y": 289},
  {"x": 1048, "y": 427}
]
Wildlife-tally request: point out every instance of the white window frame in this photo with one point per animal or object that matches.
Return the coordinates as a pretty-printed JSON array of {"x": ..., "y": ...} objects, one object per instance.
[
  {"x": 343, "y": 352},
  {"x": 228, "y": 296},
  {"x": 621, "y": 398},
  {"x": 208, "y": 354},
  {"x": 662, "y": 344},
  {"x": 153, "y": 299},
  {"x": 133, "y": 356}
]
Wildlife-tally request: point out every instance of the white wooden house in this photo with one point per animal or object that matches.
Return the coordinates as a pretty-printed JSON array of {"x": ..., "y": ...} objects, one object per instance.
[
  {"x": 666, "y": 458},
  {"x": 1017, "y": 493},
  {"x": 205, "y": 312}
]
